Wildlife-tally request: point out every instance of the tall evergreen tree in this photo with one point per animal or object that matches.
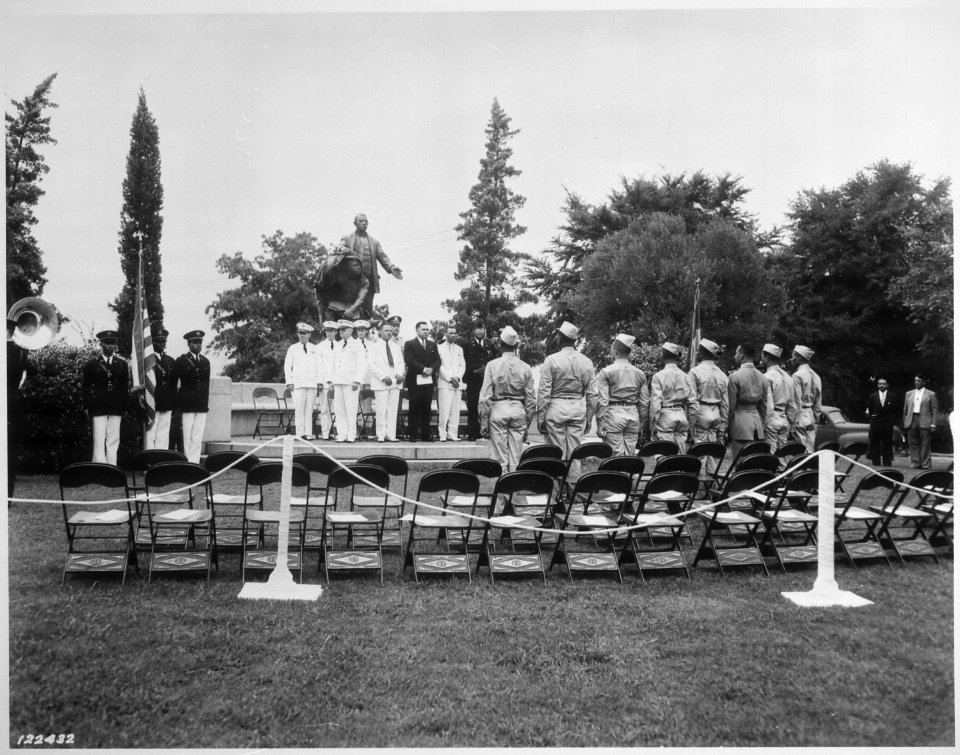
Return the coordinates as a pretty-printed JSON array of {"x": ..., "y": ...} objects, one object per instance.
[
  {"x": 25, "y": 131},
  {"x": 486, "y": 261},
  {"x": 142, "y": 202}
]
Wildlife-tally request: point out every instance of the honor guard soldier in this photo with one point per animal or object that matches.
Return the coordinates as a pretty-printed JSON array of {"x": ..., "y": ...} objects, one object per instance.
[
  {"x": 450, "y": 386},
  {"x": 710, "y": 385},
  {"x": 165, "y": 393},
  {"x": 477, "y": 351},
  {"x": 673, "y": 399},
  {"x": 624, "y": 400},
  {"x": 783, "y": 395},
  {"x": 301, "y": 370},
  {"x": 192, "y": 376},
  {"x": 350, "y": 365},
  {"x": 507, "y": 403},
  {"x": 105, "y": 384},
  {"x": 749, "y": 397},
  {"x": 567, "y": 397},
  {"x": 327, "y": 349},
  {"x": 809, "y": 394}
]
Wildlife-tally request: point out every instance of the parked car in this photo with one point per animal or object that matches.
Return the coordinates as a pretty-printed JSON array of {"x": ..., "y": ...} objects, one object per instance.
[{"x": 834, "y": 425}]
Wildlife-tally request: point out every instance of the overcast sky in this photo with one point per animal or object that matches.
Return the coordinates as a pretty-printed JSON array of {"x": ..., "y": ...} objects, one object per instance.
[{"x": 297, "y": 121}]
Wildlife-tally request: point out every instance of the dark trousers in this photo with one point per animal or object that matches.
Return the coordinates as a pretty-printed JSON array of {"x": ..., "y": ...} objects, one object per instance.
[
  {"x": 473, "y": 411},
  {"x": 418, "y": 417},
  {"x": 919, "y": 441},
  {"x": 881, "y": 442}
]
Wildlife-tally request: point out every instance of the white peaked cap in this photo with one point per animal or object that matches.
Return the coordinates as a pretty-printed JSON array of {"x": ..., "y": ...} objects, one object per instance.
[{"x": 305, "y": 326}]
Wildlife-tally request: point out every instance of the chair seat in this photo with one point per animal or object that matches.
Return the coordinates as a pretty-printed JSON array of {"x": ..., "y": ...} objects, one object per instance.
[
  {"x": 272, "y": 516},
  {"x": 789, "y": 515},
  {"x": 178, "y": 498},
  {"x": 731, "y": 517},
  {"x": 944, "y": 508},
  {"x": 354, "y": 517},
  {"x": 113, "y": 516},
  {"x": 361, "y": 501},
  {"x": 596, "y": 521},
  {"x": 906, "y": 512},
  {"x": 183, "y": 516},
  {"x": 231, "y": 498},
  {"x": 658, "y": 519},
  {"x": 507, "y": 522},
  {"x": 441, "y": 520},
  {"x": 855, "y": 512}
]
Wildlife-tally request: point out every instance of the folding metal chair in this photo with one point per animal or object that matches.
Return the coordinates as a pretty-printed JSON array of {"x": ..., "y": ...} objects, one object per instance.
[
  {"x": 360, "y": 546},
  {"x": 786, "y": 506},
  {"x": 788, "y": 451},
  {"x": 556, "y": 470},
  {"x": 271, "y": 414},
  {"x": 110, "y": 530},
  {"x": 849, "y": 453},
  {"x": 541, "y": 451},
  {"x": 366, "y": 416},
  {"x": 938, "y": 481},
  {"x": 143, "y": 460},
  {"x": 855, "y": 525},
  {"x": 228, "y": 507},
  {"x": 398, "y": 471},
  {"x": 591, "y": 450},
  {"x": 749, "y": 449},
  {"x": 267, "y": 476},
  {"x": 708, "y": 451},
  {"x": 902, "y": 527}
]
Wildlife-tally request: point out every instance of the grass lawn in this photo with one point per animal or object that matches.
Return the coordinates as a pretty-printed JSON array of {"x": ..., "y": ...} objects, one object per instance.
[{"x": 711, "y": 661}]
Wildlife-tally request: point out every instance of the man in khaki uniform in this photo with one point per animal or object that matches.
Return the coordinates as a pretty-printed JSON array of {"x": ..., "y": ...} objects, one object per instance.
[
  {"x": 783, "y": 394},
  {"x": 710, "y": 385},
  {"x": 809, "y": 394},
  {"x": 624, "y": 400},
  {"x": 507, "y": 402},
  {"x": 749, "y": 397},
  {"x": 567, "y": 397},
  {"x": 673, "y": 399}
]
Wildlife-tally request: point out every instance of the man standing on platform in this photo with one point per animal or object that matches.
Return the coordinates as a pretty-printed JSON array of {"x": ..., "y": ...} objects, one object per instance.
[
  {"x": 301, "y": 369},
  {"x": 783, "y": 394},
  {"x": 350, "y": 365},
  {"x": 507, "y": 402},
  {"x": 386, "y": 377},
  {"x": 673, "y": 399},
  {"x": 192, "y": 376},
  {"x": 809, "y": 394},
  {"x": 750, "y": 403},
  {"x": 919, "y": 420},
  {"x": 105, "y": 384},
  {"x": 477, "y": 351},
  {"x": 882, "y": 411},
  {"x": 624, "y": 401},
  {"x": 567, "y": 398},
  {"x": 713, "y": 402},
  {"x": 165, "y": 393},
  {"x": 422, "y": 360},
  {"x": 370, "y": 252},
  {"x": 326, "y": 351},
  {"x": 450, "y": 386}
]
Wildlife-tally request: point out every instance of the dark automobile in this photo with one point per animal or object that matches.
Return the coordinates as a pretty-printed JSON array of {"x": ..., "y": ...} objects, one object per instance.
[{"x": 834, "y": 425}]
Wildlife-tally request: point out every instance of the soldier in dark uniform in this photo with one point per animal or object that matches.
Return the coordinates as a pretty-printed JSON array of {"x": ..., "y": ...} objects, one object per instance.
[
  {"x": 191, "y": 375},
  {"x": 477, "y": 351},
  {"x": 105, "y": 385},
  {"x": 165, "y": 393},
  {"x": 16, "y": 374}
]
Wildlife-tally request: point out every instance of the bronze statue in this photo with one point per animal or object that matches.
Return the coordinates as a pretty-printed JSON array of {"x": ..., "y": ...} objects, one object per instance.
[{"x": 341, "y": 287}]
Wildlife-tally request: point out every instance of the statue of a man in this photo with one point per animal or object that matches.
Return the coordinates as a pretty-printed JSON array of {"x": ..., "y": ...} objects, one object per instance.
[
  {"x": 341, "y": 287},
  {"x": 370, "y": 252}
]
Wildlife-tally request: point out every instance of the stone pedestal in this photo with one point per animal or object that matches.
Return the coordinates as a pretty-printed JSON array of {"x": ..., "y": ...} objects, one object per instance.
[{"x": 218, "y": 417}]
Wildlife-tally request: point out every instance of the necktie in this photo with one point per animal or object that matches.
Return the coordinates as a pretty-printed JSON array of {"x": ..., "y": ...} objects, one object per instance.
[
  {"x": 389, "y": 355},
  {"x": 304, "y": 348},
  {"x": 423, "y": 344}
]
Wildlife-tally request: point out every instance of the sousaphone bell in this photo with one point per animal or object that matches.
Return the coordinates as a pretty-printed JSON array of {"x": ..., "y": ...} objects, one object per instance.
[{"x": 37, "y": 322}]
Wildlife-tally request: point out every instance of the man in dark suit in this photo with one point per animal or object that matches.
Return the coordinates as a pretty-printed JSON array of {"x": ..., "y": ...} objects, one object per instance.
[
  {"x": 422, "y": 358},
  {"x": 191, "y": 374},
  {"x": 105, "y": 385},
  {"x": 477, "y": 351},
  {"x": 919, "y": 420},
  {"x": 882, "y": 412}
]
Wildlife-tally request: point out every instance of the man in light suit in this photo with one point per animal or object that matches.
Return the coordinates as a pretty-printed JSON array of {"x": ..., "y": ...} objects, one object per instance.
[
  {"x": 370, "y": 252},
  {"x": 423, "y": 363},
  {"x": 450, "y": 386},
  {"x": 882, "y": 413},
  {"x": 386, "y": 378},
  {"x": 919, "y": 420}
]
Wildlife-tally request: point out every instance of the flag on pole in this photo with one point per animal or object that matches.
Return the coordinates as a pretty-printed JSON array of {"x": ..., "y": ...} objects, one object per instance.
[
  {"x": 144, "y": 358},
  {"x": 694, "y": 330}
]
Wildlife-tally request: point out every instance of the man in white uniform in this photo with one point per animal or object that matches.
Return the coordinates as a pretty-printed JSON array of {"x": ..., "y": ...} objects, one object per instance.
[
  {"x": 350, "y": 364},
  {"x": 326, "y": 351},
  {"x": 301, "y": 369}
]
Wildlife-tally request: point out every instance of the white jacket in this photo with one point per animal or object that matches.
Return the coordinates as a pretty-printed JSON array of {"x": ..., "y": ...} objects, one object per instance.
[
  {"x": 302, "y": 369},
  {"x": 327, "y": 351},
  {"x": 452, "y": 365},
  {"x": 380, "y": 365},
  {"x": 350, "y": 362}
]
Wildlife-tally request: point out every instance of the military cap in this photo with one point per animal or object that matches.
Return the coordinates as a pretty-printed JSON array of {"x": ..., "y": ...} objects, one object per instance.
[
  {"x": 345, "y": 324},
  {"x": 331, "y": 324},
  {"x": 107, "y": 335},
  {"x": 804, "y": 352},
  {"x": 194, "y": 335},
  {"x": 158, "y": 332},
  {"x": 569, "y": 330},
  {"x": 304, "y": 327},
  {"x": 361, "y": 324},
  {"x": 772, "y": 349},
  {"x": 395, "y": 319},
  {"x": 712, "y": 346},
  {"x": 509, "y": 336},
  {"x": 625, "y": 339},
  {"x": 671, "y": 348}
]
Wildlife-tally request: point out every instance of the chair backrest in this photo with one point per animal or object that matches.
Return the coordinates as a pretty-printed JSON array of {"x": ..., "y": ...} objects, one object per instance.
[
  {"x": 523, "y": 481},
  {"x": 591, "y": 450},
  {"x": 316, "y": 463},
  {"x": 271, "y": 473},
  {"x": 764, "y": 461},
  {"x": 659, "y": 448},
  {"x": 357, "y": 474},
  {"x": 491, "y": 469},
  {"x": 740, "y": 481},
  {"x": 541, "y": 451},
  {"x": 632, "y": 465},
  {"x": 143, "y": 460},
  {"x": 265, "y": 394},
  {"x": 679, "y": 463},
  {"x": 937, "y": 480},
  {"x": 219, "y": 460},
  {"x": 828, "y": 445},
  {"x": 755, "y": 447},
  {"x": 553, "y": 467},
  {"x": 174, "y": 473},
  {"x": 807, "y": 482},
  {"x": 287, "y": 394},
  {"x": 92, "y": 473},
  {"x": 442, "y": 480},
  {"x": 666, "y": 482},
  {"x": 854, "y": 449},
  {"x": 395, "y": 466},
  {"x": 790, "y": 449},
  {"x": 366, "y": 400},
  {"x": 608, "y": 482},
  {"x": 708, "y": 448},
  {"x": 802, "y": 462}
]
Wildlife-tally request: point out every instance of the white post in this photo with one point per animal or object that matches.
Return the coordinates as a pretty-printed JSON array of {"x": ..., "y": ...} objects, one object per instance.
[
  {"x": 280, "y": 585},
  {"x": 825, "y": 590}
]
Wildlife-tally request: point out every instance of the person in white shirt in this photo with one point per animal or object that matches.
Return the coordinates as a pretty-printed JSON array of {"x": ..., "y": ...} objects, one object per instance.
[
  {"x": 301, "y": 369},
  {"x": 450, "y": 386},
  {"x": 350, "y": 364},
  {"x": 387, "y": 371},
  {"x": 326, "y": 350}
]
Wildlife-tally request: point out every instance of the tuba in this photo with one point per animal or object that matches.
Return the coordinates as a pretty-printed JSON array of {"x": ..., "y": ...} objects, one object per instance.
[{"x": 37, "y": 322}]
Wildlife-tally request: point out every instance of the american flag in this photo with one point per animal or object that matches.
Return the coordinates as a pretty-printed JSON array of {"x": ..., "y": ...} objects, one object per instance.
[
  {"x": 144, "y": 359},
  {"x": 695, "y": 330}
]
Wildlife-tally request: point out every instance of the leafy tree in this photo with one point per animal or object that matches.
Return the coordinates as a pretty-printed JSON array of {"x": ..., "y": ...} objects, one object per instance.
[
  {"x": 848, "y": 278},
  {"x": 25, "y": 132},
  {"x": 486, "y": 260},
  {"x": 257, "y": 321},
  {"x": 140, "y": 222}
]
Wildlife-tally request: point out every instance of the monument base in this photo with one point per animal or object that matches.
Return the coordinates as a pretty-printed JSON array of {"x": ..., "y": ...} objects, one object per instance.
[
  {"x": 280, "y": 586},
  {"x": 820, "y": 597}
]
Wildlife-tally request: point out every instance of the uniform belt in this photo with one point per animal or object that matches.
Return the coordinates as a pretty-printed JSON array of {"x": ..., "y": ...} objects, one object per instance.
[
  {"x": 779, "y": 407},
  {"x": 508, "y": 398},
  {"x": 710, "y": 403},
  {"x": 806, "y": 406},
  {"x": 566, "y": 395},
  {"x": 622, "y": 403},
  {"x": 672, "y": 406}
]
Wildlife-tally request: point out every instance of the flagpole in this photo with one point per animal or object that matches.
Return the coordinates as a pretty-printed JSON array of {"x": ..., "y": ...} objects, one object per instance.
[{"x": 694, "y": 330}]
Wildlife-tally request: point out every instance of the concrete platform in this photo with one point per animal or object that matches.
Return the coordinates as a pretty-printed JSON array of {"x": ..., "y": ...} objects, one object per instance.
[{"x": 423, "y": 453}]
